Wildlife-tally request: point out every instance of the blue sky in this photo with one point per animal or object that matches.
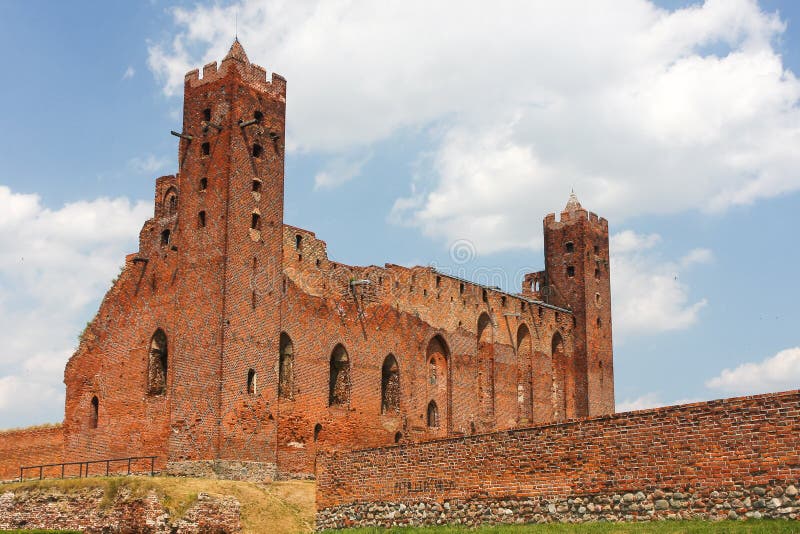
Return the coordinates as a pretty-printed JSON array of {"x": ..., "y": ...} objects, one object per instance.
[{"x": 412, "y": 127}]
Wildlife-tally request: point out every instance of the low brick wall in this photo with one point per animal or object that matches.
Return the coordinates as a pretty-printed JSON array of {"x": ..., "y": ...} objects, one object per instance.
[
  {"x": 86, "y": 511},
  {"x": 720, "y": 458},
  {"x": 29, "y": 446}
]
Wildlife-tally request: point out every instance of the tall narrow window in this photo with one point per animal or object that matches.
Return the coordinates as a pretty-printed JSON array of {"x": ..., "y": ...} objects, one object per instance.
[
  {"x": 207, "y": 114},
  {"x": 339, "y": 387},
  {"x": 298, "y": 241},
  {"x": 203, "y": 184},
  {"x": 570, "y": 271},
  {"x": 94, "y": 413},
  {"x": 390, "y": 386},
  {"x": 201, "y": 219},
  {"x": 165, "y": 238},
  {"x": 251, "y": 382},
  {"x": 257, "y": 150},
  {"x": 569, "y": 246},
  {"x": 286, "y": 367},
  {"x": 433, "y": 415},
  {"x": 255, "y": 221},
  {"x": 206, "y": 148},
  {"x": 258, "y": 116},
  {"x": 317, "y": 430},
  {"x": 157, "y": 364},
  {"x": 256, "y": 185},
  {"x": 171, "y": 201}
]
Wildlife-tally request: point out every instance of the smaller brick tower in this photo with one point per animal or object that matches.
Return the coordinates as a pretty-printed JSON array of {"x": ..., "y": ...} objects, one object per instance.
[{"x": 577, "y": 265}]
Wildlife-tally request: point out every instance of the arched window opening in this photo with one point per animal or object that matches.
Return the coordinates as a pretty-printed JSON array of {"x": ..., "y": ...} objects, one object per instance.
[
  {"x": 317, "y": 430},
  {"x": 251, "y": 382},
  {"x": 286, "y": 368},
  {"x": 258, "y": 116},
  {"x": 165, "y": 238},
  {"x": 206, "y": 148},
  {"x": 157, "y": 364},
  {"x": 390, "y": 386},
  {"x": 433, "y": 415},
  {"x": 94, "y": 413},
  {"x": 255, "y": 221},
  {"x": 298, "y": 241},
  {"x": 561, "y": 378},
  {"x": 569, "y": 246},
  {"x": 524, "y": 374},
  {"x": 339, "y": 391},
  {"x": 257, "y": 150},
  {"x": 203, "y": 184},
  {"x": 256, "y": 185},
  {"x": 485, "y": 353},
  {"x": 485, "y": 296},
  {"x": 171, "y": 201},
  {"x": 398, "y": 436},
  {"x": 570, "y": 271},
  {"x": 207, "y": 114},
  {"x": 599, "y": 322},
  {"x": 201, "y": 219}
]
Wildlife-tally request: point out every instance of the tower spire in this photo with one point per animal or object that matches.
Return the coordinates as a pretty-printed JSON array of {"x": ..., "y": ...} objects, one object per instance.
[
  {"x": 573, "y": 203},
  {"x": 237, "y": 52}
]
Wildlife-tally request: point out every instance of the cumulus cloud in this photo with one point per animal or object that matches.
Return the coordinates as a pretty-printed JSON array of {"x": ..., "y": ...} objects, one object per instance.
[
  {"x": 641, "y": 109},
  {"x": 148, "y": 164},
  {"x": 129, "y": 73},
  {"x": 54, "y": 264},
  {"x": 649, "y": 296},
  {"x": 647, "y": 401},
  {"x": 339, "y": 171},
  {"x": 776, "y": 373}
]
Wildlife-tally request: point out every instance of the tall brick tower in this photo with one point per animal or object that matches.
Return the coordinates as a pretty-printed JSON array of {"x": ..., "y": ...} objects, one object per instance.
[
  {"x": 577, "y": 265},
  {"x": 231, "y": 213}
]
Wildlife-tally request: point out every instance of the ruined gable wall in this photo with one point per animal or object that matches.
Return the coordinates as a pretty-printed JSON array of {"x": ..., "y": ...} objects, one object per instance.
[{"x": 399, "y": 313}]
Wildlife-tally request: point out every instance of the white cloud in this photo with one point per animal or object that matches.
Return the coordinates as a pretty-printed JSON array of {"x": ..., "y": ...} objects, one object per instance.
[
  {"x": 54, "y": 264},
  {"x": 649, "y": 296},
  {"x": 148, "y": 164},
  {"x": 130, "y": 72},
  {"x": 338, "y": 172},
  {"x": 777, "y": 373},
  {"x": 647, "y": 401},
  {"x": 642, "y": 110}
]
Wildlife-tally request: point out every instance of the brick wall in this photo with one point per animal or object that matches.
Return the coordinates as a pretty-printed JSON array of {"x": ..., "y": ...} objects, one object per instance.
[
  {"x": 729, "y": 445},
  {"x": 29, "y": 446}
]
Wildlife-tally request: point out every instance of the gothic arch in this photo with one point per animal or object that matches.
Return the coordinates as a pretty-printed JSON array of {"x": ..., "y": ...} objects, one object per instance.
[
  {"x": 563, "y": 380},
  {"x": 339, "y": 386},
  {"x": 438, "y": 382},
  {"x": 524, "y": 374},
  {"x": 157, "y": 363},
  {"x": 286, "y": 367},
  {"x": 485, "y": 353},
  {"x": 171, "y": 201},
  {"x": 390, "y": 386}
]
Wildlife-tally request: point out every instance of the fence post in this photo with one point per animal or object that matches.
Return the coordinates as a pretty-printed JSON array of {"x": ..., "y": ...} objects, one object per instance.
[
  {"x": 20, "y": 473},
  {"x": 152, "y": 466},
  {"x": 41, "y": 472},
  {"x": 87, "y": 470},
  {"x": 62, "y": 470},
  {"x": 129, "y": 466}
]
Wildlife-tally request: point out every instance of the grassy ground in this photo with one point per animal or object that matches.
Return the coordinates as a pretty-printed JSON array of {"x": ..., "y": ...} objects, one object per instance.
[
  {"x": 656, "y": 527},
  {"x": 280, "y": 507}
]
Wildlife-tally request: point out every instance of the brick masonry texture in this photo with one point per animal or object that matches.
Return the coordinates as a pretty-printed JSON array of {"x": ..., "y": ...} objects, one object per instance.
[
  {"x": 85, "y": 511},
  {"x": 29, "y": 446},
  {"x": 230, "y": 340},
  {"x": 711, "y": 460}
]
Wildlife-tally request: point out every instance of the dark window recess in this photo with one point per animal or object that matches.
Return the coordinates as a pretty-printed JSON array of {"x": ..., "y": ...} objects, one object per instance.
[
  {"x": 256, "y": 185},
  {"x": 206, "y": 147},
  {"x": 257, "y": 150},
  {"x": 596, "y": 249},
  {"x": 298, "y": 241},
  {"x": 339, "y": 386},
  {"x": 255, "y": 221},
  {"x": 569, "y": 246},
  {"x": 433, "y": 415},
  {"x": 201, "y": 219},
  {"x": 251, "y": 382},
  {"x": 286, "y": 367},
  {"x": 258, "y": 116},
  {"x": 165, "y": 238},
  {"x": 390, "y": 386},
  {"x": 203, "y": 184},
  {"x": 597, "y": 273},
  {"x": 95, "y": 412},
  {"x": 438, "y": 281},
  {"x": 317, "y": 430},
  {"x": 503, "y": 301},
  {"x": 207, "y": 114},
  {"x": 461, "y": 288},
  {"x": 398, "y": 436},
  {"x": 570, "y": 271},
  {"x": 485, "y": 296},
  {"x": 599, "y": 322},
  {"x": 157, "y": 364}
]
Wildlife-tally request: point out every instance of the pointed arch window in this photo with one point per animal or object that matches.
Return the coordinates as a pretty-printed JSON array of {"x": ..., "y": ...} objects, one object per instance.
[
  {"x": 286, "y": 368},
  {"x": 157, "y": 364},
  {"x": 339, "y": 388},
  {"x": 390, "y": 386},
  {"x": 94, "y": 412}
]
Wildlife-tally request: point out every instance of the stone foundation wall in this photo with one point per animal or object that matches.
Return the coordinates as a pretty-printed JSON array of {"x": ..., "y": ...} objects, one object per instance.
[
  {"x": 86, "y": 511},
  {"x": 778, "y": 501},
  {"x": 722, "y": 452},
  {"x": 224, "y": 469}
]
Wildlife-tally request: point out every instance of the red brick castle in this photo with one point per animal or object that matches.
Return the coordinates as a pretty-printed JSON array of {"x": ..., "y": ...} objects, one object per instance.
[{"x": 231, "y": 345}]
